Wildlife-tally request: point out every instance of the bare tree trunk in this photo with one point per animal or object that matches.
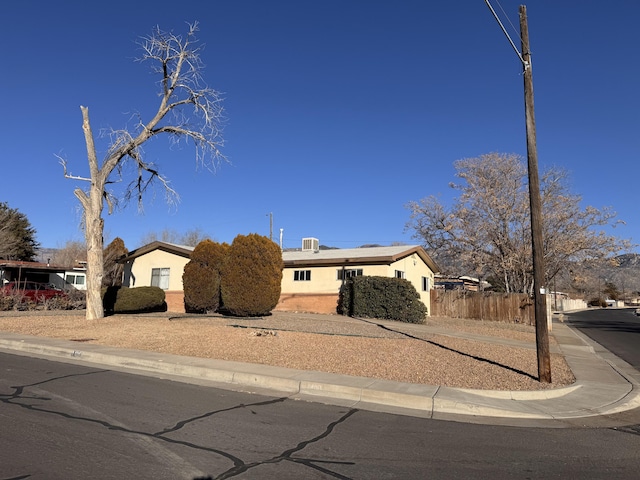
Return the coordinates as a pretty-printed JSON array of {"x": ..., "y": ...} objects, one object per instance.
[{"x": 93, "y": 205}]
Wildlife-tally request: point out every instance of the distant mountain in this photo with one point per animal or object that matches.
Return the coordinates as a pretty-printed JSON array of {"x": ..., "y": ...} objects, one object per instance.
[
  {"x": 44, "y": 255},
  {"x": 629, "y": 260}
]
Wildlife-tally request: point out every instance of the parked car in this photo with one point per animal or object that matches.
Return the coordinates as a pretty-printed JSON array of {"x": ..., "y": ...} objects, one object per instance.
[
  {"x": 34, "y": 291},
  {"x": 638, "y": 312}
]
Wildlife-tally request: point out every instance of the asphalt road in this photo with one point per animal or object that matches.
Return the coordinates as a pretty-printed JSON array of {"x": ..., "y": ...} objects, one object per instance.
[
  {"x": 64, "y": 421},
  {"x": 618, "y": 330}
]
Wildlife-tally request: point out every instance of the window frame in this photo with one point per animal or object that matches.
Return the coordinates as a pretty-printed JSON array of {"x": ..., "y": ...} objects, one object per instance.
[
  {"x": 345, "y": 273},
  {"x": 302, "y": 275},
  {"x": 161, "y": 278}
]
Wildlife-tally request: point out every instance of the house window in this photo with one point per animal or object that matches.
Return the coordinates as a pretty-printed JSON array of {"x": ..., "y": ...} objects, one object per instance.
[
  {"x": 399, "y": 274},
  {"x": 302, "y": 275},
  {"x": 425, "y": 284},
  {"x": 345, "y": 273},
  {"x": 75, "y": 279},
  {"x": 160, "y": 278}
]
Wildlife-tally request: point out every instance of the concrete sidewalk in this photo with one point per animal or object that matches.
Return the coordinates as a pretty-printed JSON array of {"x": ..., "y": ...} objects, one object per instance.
[{"x": 606, "y": 391}]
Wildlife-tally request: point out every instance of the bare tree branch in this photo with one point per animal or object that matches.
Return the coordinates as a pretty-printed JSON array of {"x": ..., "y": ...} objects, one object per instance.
[{"x": 187, "y": 110}]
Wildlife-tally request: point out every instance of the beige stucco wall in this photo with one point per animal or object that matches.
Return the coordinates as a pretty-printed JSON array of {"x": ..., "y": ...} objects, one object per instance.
[
  {"x": 138, "y": 272},
  {"x": 324, "y": 280}
]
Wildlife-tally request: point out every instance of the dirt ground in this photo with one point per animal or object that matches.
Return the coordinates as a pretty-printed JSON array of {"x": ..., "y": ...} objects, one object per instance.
[{"x": 499, "y": 356}]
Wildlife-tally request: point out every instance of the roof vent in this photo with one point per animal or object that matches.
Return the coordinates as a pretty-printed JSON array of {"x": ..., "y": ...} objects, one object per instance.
[{"x": 310, "y": 244}]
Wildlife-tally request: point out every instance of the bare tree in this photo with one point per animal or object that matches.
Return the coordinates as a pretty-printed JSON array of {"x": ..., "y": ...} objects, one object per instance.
[
  {"x": 176, "y": 60},
  {"x": 487, "y": 229},
  {"x": 69, "y": 255},
  {"x": 190, "y": 238}
]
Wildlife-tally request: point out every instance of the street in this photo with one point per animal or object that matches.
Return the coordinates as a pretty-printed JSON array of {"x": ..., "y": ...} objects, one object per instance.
[
  {"x": 618, "y": 330},
  {"x": 64, "y": 421}
]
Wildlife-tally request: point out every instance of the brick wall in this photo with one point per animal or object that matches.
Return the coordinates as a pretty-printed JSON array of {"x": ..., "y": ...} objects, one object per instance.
[
  {"x": 311, "y": 303},
  {"x": 175, "y": 300}
]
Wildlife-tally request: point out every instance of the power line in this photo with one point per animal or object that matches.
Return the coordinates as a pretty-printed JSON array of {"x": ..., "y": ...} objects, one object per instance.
[{"x": 504, "y": 30}]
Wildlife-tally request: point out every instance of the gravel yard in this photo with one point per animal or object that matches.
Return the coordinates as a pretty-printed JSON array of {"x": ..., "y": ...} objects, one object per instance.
[{"x": 438, "y": 353}]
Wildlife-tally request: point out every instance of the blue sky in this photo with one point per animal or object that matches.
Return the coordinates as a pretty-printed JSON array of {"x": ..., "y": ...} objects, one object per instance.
[{"x": 338, "y": 112}]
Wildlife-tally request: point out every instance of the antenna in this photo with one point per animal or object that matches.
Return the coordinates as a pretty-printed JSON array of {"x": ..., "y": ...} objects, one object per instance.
[{"x": 504, "y": 30}]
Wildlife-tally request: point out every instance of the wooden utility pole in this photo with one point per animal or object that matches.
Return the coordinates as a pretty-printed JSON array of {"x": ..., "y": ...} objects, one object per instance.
[
  {"x": 535, "y": 204},
  {"x": 540, "y": 305}
]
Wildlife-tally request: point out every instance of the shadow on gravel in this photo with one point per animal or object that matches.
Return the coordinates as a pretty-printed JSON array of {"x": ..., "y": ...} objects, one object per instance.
[{"x": 444, "y": 347}]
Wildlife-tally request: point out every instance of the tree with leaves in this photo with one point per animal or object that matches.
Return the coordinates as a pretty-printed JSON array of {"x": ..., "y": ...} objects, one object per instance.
[
  {"x": 187, "y": 110},
  {"x": 487, "y": 230},
  {"x": 17, "y": 236}
]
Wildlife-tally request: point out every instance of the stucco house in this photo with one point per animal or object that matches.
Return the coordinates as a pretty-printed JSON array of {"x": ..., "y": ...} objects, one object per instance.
[
  {"x": 311, "y": 277},
  {"x": 158, "y": 264}
]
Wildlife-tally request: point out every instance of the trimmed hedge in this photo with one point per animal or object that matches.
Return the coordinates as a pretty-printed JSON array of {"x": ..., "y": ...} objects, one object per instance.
[
  {"x": 201, "y": 277},
  {"x": 133, "y": 300},
  {"x": 252, "y": 276},
  {"x": 381, "y": 297},
  {"x": 201, "y": 288}
]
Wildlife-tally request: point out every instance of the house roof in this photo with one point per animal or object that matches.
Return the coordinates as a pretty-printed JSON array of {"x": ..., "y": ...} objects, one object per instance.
[
  {"x": 19, "y": 264},
  {"x": 356, "y": 256},
  {"x": 342, "y": 256},
  {"x": 180, "y": 250}
]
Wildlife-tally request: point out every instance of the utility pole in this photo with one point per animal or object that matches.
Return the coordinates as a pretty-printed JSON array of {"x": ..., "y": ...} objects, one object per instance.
[
  {"x": 271, "y": 226},
  {"x": 535, "y": 204},
  {"x": 537, "y": 245}
]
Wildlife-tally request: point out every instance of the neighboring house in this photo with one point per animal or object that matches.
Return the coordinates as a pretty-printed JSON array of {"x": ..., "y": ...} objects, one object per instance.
[
  {"x": 460, "y": 283},
  {"x": 76, "y": 277},
  {"x": 158, "y": 264},
  {"x": 59, "y": 276},
  {"x": 311, "y": 277}
]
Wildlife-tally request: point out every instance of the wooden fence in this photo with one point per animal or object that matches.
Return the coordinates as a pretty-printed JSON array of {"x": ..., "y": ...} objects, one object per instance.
[{"x": 499, "y": 307}]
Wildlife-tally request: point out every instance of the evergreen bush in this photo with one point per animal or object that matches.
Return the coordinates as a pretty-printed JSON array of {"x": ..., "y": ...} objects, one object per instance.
[
  {"x": 381, "y": 297},
  {"x": 201, "y": 286},
  {"x": 201, "y": 277},
  {"x": 252, "y": 276},
  {"x": 133, "y": 300}
]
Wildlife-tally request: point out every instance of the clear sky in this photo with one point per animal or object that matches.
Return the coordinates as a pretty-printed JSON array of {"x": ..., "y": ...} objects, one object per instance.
[{"x": 339, "y": 111}]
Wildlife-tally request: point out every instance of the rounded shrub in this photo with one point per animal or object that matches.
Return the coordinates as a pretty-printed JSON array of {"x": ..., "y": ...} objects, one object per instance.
[
  {"x": 381, "y": 297},
  {"x": 201, "y": 277},
  {"x": 201, "y": 286},
  {"x": 133, "y": 300},
  {"x": 252, "y": 276}
]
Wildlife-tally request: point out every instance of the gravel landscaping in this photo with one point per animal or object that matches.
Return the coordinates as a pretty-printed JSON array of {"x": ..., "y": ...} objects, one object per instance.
[{"x": 445, "y": 352}]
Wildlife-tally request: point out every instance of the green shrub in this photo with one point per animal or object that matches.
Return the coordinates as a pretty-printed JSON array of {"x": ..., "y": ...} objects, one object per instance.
[
  {"x": 133, "y": 300},
  {"x": 201, "y": 286},
  {"x": 381, "y": 297},
  {"x": 252, "y": 276},
  {"x": 201, "y": 277}
]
